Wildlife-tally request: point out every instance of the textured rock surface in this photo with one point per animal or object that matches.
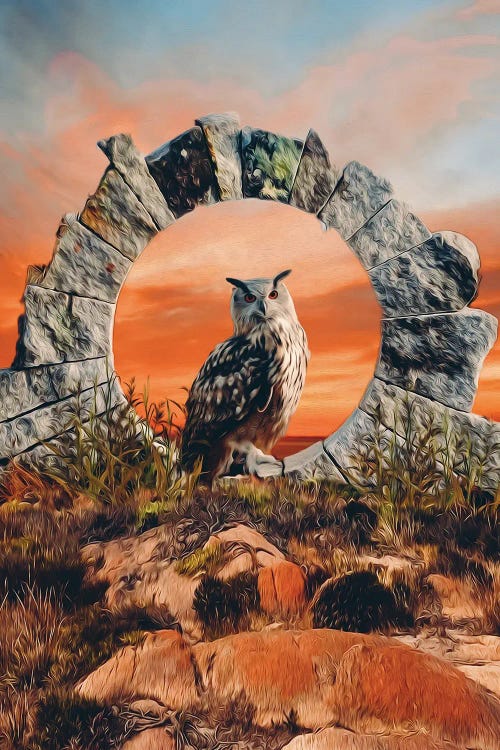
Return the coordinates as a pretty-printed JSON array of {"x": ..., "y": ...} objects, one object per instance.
[
  {"x": 437, "y": 356},
  {"x": 358, "y": 195},
  {"x": 126, "y": 159},
  {"x": 269, "y": 164},
  {"x": 397, "y": 407},
  {"x": 60, "y": 327},
  {"x": 316, "y": 177},
  {"x": 183, "y": 171},
  {"x": 364, "y": 683},
  {"x": 311, "y": 463},
  {"x": 439, "y": 276},
  {"x": 351, "y": 441},
  {"x": 150, "y": 739},
  {"x": 116, "y": 215},
  {"x": 24, "y": 390},
  {"x": 222, "y": 134},
  {"x": 342, "y": 739},
  {"x": 84, "y": 264},
  {"x": 45, "y": 422},
  {"x": 392, "y": 230},
  {"x": 282, "y": 589}
]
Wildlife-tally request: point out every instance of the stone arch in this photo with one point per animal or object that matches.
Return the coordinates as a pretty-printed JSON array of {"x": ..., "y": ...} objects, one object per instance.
[{"x": 432, "y": 343}]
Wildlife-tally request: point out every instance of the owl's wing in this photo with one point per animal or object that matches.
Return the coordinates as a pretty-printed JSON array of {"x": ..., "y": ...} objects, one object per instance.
[{"x": 233, "y": 383}]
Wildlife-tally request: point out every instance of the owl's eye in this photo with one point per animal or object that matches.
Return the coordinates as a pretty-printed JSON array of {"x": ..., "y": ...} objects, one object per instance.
[
  {"x": 273, "y": 294},
  {"x": 250, "y": 297}
]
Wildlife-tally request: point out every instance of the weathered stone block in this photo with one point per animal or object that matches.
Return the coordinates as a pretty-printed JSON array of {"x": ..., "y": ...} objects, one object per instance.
[
  {"x": 127, "y": 160},
  {"x": 21, "y": 433},
  {"x": 183, "y": 171},
  {"x": 312, "y": 463},
  {"x": 269, "y": 164},
  {"x": 359, "y": 194},
  {"x": 222, "y": 134},
  {"x": 58, "y": 327},
  {"x": 84, "y": 264},
  {"x": 69, "y": 377},
  {"x": 316, "y": 177},
  {"x": 118, "y": 217},
  {"x": 353, "y": 447},
  {"x": 23, "y": 390},
  {"x": 92, "y": 328},
  {"x": 437, "y": 356},
  {"x": 465, "y": 441},
  {"x": 440, "y": 275},
  {"x": 391, "y": 231}
]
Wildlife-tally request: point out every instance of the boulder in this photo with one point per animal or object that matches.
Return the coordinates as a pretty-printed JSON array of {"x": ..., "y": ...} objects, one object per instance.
[
  {"x": 282, "y": 589},
  {"x": 365, "y": 683}
]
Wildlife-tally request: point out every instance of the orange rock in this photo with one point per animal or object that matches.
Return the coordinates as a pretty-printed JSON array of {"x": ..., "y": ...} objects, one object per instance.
[
  {"x": 367, "y": 683},
  {"x": 342, "y": 739},
  {"x": 150, "y": 739},
  {"x": 282, "y": 589},
  {"x": 160, "y": 668}
]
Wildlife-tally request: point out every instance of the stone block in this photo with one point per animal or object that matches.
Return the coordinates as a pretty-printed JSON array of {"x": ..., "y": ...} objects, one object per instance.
[
  {"x": 84, "y": 264},
  {"x": 127, "y": 160},
  {"x": 391, "y": 231},
  {"x": 183, "y": 171},
  {"x": 353, "y": 447},
  {"x": 115, "y": 214},
  {"x": 46, "y": 422},
  {"x": 312, "y": 463},
  {"x": 460, "y": 439},
  {"x": 437, "y": 356},
  {"x": 316, "y": 177},
  {"x": 222, "y": 134},
  {"x": 24, "y": 390},
  {"x": 359, "y": 194},
  {"x": 59, "y": 327},
  {"x": 269, "y": 164},
  {"x": 441, "y": 275},
  {"x": 68, "y": 377}
]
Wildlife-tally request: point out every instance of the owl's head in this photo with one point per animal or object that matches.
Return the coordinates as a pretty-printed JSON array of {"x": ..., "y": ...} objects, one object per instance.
[{"x": 259, "y": 301}]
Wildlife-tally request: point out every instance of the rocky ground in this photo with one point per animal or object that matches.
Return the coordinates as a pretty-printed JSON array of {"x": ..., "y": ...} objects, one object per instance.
[{"x": 262, "y": 617}]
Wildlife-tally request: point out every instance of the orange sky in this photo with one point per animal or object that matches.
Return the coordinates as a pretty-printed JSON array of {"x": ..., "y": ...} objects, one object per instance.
[{"x": 411, "y": 105}]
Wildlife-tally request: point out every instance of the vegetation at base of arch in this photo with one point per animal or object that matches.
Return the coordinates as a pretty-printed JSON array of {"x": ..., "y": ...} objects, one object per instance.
[{"x": 127, "y": 448}]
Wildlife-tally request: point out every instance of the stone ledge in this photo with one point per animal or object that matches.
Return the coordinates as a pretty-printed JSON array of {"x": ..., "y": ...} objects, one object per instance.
[{"x": 312, "y": 463}]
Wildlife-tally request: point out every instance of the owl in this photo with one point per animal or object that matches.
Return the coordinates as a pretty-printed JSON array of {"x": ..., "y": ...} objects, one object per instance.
[{"x": 242, "y": 399}]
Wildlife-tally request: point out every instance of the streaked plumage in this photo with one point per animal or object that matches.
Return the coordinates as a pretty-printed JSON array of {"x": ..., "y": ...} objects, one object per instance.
[{"x": 250, "y": 385}]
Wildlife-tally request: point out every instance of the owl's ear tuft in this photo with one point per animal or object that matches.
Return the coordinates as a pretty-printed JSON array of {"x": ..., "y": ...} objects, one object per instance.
[
  {"x": 238, "y": 283},
  {"x": 281, "y": 276}
]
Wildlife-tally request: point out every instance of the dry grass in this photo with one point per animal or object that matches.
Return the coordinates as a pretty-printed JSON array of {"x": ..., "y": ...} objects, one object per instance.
[{"x": 55, "y": 629}]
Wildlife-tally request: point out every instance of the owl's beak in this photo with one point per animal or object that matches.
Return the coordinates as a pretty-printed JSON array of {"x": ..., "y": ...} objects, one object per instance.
[{"x": 261, "y": 306}]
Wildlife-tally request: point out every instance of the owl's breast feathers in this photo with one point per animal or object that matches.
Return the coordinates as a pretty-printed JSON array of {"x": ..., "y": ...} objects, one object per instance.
[{"x": 247, "y": 378}]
